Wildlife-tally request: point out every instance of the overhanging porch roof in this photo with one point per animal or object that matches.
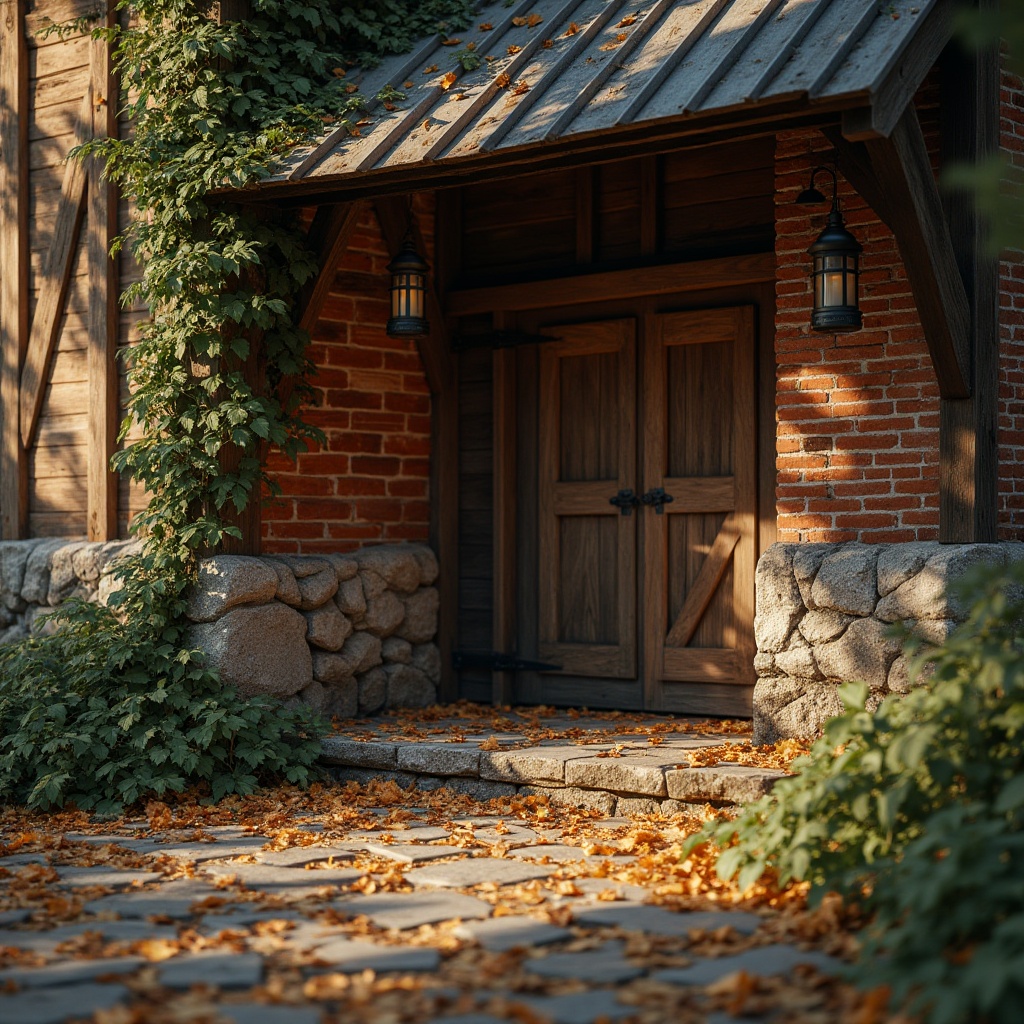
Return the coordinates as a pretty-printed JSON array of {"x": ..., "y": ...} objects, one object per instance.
[{"x": 557, "y": 75}]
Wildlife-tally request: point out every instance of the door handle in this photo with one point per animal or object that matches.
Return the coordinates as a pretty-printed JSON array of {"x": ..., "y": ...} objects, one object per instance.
[
  {"x": 625, "y": 501},
  {"x": 657, "y": 498}
]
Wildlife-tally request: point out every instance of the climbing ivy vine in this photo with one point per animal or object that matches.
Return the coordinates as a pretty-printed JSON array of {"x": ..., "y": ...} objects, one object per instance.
[{"x": 115, "y": 705}]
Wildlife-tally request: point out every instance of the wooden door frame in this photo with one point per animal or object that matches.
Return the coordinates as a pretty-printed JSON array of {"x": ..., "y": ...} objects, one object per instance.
[{"x": 730, "y": 281}]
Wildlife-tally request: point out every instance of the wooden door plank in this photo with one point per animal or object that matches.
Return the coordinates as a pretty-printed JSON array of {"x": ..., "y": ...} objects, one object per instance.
[
  {"x": 700, "y": 494},
  {"x": 744, "y": 558},
  {"x": 55, "y": 278},
  {"x": 702, "y": 665},
  {"x": 101, "y": 486},
  {"x": 703, "y": 588},
  {"x": 584, "y": 498},
  {"x": 14, "y": 264}
]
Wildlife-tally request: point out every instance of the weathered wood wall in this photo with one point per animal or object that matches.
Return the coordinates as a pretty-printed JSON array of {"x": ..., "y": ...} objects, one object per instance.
[{"x": 60, "y": 320}]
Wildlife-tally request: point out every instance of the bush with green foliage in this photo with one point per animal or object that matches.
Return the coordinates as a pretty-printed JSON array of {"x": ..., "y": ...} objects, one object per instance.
[
  {"x": 917, "y": 812},
  {"x": 116, "y": 706},
  {"x": 104, "y": 712}
]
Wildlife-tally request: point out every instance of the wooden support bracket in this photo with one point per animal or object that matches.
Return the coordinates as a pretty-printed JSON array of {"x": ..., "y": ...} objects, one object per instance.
[
  {"x": 54, "y": 280},
  {"x": 902, "y": 174}
]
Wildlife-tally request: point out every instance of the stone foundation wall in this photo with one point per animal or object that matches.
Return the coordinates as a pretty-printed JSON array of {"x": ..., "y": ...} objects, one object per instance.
[
  {"x": 824, "y": 617},
  {"x": 346, "y": 634},
  {"x": 37, "y": 575}
]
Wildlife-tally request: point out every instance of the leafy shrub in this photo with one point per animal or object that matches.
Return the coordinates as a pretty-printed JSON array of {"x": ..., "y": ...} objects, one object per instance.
[
  {"x": 918, "y": 810},
  {"x": 102, "y": 713}
]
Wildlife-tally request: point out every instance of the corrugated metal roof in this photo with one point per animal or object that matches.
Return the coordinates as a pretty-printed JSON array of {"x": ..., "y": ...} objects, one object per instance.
[{"x": 561, "y": 69}]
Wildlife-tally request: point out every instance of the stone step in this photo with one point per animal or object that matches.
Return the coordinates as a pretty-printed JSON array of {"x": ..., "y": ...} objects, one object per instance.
[{"x": 623, "y": 776}]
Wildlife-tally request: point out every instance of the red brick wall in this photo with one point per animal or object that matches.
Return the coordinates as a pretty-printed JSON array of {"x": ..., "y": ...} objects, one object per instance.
[
  {"x": 369, "y": 483},
  {"x": 857, "y": 414},
  {"x": 1011, "y": 339}
]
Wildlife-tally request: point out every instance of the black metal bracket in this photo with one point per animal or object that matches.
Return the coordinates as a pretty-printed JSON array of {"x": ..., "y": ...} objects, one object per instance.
[
  {"x": 656, "y": 498},
  {"x": 498, "y": 339},
  {"x": 495, "y": 661}
]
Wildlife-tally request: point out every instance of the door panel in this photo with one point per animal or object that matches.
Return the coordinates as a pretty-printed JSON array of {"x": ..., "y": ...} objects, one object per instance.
[
  {"x": 586, "y": 454},
  {"x": 699, "y": 446}
]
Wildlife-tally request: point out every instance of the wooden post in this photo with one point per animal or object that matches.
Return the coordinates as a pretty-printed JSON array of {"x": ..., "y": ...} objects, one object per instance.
[
  {"x": 442, "y": 379},
  {"x": 968, "y": 446},
  {"x": 103, "y": 322},
  {"x": 14, "y": 264},
  {"x": 504, "y": 462}
]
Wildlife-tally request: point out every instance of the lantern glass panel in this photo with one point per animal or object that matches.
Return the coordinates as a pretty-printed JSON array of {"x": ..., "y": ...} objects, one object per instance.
[
  {"x": 398, "y": 292},
  {"x": 852, "y": 299},
  {"x": 833, "y": 288}
]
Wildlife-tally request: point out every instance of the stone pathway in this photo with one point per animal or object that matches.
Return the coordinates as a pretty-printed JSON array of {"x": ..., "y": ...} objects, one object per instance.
[
  {"x": 481, "y": 918},
  {"x": 616, "y": 773}
]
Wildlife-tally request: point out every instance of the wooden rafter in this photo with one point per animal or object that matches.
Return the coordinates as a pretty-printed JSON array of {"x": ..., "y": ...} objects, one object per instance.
[{"x": 54, "y": 280}]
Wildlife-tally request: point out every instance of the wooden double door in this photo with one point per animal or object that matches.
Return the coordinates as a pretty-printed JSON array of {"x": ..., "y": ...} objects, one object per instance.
[{"x": 636, "y": 528}]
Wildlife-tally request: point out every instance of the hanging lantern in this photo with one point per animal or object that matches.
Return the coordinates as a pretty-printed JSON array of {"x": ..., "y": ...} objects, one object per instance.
[
  {"x": 408, "y": 293},
  {"x": 835, "y": 276}
]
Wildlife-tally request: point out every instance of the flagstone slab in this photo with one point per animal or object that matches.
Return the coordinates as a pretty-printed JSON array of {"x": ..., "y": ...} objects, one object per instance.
[
  {"x": 173, "y": 899},
  {"x": 410, "y": 853},
  {"x": 9, "y": 917},
  {"x": 69, "y": 972},
  {"x": 352, "y": 955},
  {"x": 626, "y": 891},
  {"x": 644, "y": 775},
  {"x": 22, "y": 860},
  {"x": 300, "y": 856},
  {"x": 508, "y": 835},
  {"x": 728, "y": 783},
  {"x": 762, "y": 960},
  {"x": 263, "y": 1013},
  {"x": 54, "y": 1006},
  {"x": 499, "y": 934},
  {"x": 472, "y": 1018},
  {"x": 559, "y": 853},
  {"x": 283, "y": 881},
  {"x": 462, "y": 874},
  {"x": 46, "y": 942},
  {"x": 605, "y": 965},
  {"x": 642, "y": 917},
  {"x": 111, "y": 878},
  {"x": 202, "y": 852},
  {"x": 221, "y": 970},
  {"x": 577, "y": 1007},
  {"x": 410, "y": 910}
]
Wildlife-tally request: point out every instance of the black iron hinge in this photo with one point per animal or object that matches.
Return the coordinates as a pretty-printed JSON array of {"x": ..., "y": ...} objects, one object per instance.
[{"x": 495, "y": 661}]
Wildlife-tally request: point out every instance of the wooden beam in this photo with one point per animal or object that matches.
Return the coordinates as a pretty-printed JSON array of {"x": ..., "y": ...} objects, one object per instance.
[
  {"x": 649, "y": 206},
  {"x": 968, "y": 427},
  {"x": 854, "y": 165},
  {"x": 54, "y": 280},
  {"x": 904, "y": 173},
  {"x": 585, "y": 217},
  {"x": 329, "y": 236},
  {"x": 442, "y": 378},
  {"x": 101, "y": 506},
  {"x": 444, "y": 462},
  {"x": 14, "y": 264},
  {"x": 666, "y": 279}
]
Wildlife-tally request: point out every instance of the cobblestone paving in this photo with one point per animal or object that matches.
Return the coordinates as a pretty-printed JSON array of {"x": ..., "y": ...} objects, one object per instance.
[{"x": 476, "y": 919}]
